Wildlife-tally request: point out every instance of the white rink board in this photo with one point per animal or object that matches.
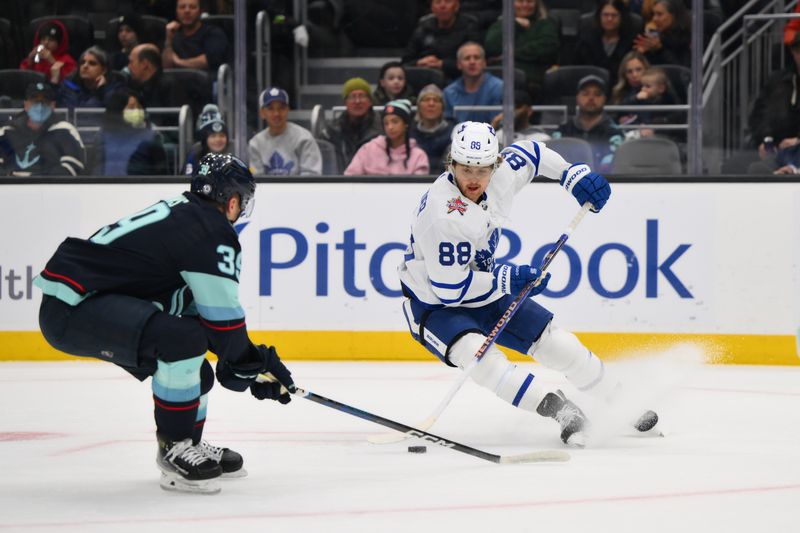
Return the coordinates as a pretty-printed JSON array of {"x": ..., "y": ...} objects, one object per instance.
[{"x": 739, "y": 273}]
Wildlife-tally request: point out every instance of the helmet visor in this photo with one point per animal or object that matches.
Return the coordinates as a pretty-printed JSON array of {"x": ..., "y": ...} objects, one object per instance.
[{"x": 248, "y": 205}]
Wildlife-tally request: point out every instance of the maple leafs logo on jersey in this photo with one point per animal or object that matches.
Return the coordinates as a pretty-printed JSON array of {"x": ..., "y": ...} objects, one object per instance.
[
  {"x": 278, "y": 166},
  {"x": 484, "y": 259},
  {"x": 456, "y": 204}
]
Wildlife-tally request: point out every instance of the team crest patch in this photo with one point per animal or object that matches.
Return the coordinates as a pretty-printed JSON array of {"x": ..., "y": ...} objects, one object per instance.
[{"x": 456, "y": 204}]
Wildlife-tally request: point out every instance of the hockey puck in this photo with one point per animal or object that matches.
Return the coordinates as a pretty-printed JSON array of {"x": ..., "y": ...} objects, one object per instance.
[{"x": 417, "y": 449}]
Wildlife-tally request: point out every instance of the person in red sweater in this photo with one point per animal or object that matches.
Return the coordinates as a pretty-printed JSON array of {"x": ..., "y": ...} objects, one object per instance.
[{"x": 49, "y": 54}]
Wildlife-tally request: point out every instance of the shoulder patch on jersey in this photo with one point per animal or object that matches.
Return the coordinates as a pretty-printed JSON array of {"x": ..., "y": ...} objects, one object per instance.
[{"x": 456, "y": 204}]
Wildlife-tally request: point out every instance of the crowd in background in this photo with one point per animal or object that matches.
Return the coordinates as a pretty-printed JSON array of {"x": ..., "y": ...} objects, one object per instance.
[{"x": 389, "y": 126}]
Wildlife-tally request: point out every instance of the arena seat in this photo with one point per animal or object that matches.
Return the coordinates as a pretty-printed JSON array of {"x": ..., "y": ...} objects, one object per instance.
[
  {"x": 573, "y": 149},
  {"x": 651, "y": 155}
]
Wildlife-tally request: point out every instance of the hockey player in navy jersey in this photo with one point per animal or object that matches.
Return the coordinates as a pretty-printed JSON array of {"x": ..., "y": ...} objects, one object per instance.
[
  {"x": 152, "y": 293},
  {"x": 455, "y": 293}
]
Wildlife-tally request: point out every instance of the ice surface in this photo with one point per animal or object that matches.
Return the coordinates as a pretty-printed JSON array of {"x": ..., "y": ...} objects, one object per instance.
[{"x": 77, "y": 454}]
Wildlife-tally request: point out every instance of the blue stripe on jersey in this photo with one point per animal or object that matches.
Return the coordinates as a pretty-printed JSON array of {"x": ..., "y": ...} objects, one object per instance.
[
  {"x": 466, "y": 283},
  {"x": 181, "y": 299},
  {"x": 220, "y": 314},
  {"x": 466, "y": 280},
  {"x": 532, "y": 158},
  {"x": 173, "y": 302},
  {"x": 409, "y": 256},
  {"x": 414, "y": 297},
  {"x": 60, "y": 290},
  {"x": 217, "y": 298},
  {"x": 484, "y": 296},
  {"x": 522, "y": 390}
]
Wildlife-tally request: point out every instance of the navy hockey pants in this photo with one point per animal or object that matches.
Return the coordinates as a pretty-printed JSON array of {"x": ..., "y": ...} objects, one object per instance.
[{"x": 123, "y": 330}]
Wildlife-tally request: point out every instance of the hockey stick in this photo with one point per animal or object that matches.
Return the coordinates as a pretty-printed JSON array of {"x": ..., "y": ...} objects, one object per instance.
[
  {"x": 531, "y": 457},
  {"x": 386, "y": 438}
]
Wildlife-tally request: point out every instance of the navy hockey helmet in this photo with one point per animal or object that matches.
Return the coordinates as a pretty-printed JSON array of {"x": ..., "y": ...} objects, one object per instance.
[{"x": 220, "y": 176}]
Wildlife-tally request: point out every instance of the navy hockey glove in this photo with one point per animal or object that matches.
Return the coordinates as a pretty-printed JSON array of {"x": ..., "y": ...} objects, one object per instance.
[
  {"x": 272, "y": 390},
  {"x": 586, "y": 186},
  {"x": 237, "y": 376},
  {"x": 512, "y": 279}
]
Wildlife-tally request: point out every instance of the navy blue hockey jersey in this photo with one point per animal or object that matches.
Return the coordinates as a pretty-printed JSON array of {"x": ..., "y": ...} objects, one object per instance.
[{"x": 182, "y": 254}]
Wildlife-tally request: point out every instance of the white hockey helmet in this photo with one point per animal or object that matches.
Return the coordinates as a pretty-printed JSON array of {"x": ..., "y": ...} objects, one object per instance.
[{"x": 474, "y": 144}]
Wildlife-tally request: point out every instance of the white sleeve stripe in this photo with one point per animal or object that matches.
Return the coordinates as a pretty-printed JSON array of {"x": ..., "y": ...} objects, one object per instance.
[
  {"x": 70, "y": 159},
  {"x": 63, "y": 125}
]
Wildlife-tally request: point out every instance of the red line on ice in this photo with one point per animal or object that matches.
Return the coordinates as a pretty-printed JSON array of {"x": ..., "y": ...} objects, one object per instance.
[{"x": 400, "y": 510}]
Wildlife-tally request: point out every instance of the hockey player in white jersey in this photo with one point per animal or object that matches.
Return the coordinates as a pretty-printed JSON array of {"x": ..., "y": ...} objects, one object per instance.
[{"x": 455, "y": 293}]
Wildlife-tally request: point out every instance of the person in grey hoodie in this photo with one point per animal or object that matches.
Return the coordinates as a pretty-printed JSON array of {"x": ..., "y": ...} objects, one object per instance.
[{"x": 283, "y": 148}]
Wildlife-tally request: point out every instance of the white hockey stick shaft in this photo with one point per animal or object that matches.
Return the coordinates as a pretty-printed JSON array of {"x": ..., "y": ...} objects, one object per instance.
[{"x": 426, "y": 424}]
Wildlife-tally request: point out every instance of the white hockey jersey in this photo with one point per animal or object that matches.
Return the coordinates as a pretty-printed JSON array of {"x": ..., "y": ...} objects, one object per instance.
[{"x": 450, "y": 259}]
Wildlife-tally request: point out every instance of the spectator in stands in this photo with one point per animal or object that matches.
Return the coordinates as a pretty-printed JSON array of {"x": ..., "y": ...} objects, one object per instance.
[
  {"x": 657, "y": 90},
  {"x": 90, "y": 85},
  {"x": 776, "y": 110},
  {"x": 213, "y": 135},
  {"x": 669, "y": 42},
  {"x": 146, "y": 76},
  {"x": 392, "y": 85},
  {"x": 393, "y": 153},
  {"x": 283, "y": 148},
  {"x": 357, "y": 125},
  {"x": 37, "y": 143},
  {"x": 610, "y": 38},
  {"x": 629, "y": 77},
  {"x": 129, "y": 34},
  {"x": 50, "y": 52},
  {"x": 629, "y": 83},
  {"x": 431, "y": 129},
  {"x": 523, "y": 115},
  {"x": 485, "y": 12},
  {"x": 474, "y": 87},
  {"x": 438, "y": 36},
  {"x": 192, "y": 44},
  {"x": 536, "y": 42},
  {"x": 787, "y": 159},
  {"x": 792, "y": 27},
  {"x": 127, "y": 144},
  {"x": 591, "y": 123}
]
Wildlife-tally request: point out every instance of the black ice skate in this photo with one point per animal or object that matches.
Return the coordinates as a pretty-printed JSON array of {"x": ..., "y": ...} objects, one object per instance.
[
  {"x": 230, "y": 461},
  {"x": 185, "y": 467},
  {"x": 572, "y": 420}
]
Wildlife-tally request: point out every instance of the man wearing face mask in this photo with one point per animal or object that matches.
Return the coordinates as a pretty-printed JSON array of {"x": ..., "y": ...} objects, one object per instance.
[{"x": 37, "y": 143}]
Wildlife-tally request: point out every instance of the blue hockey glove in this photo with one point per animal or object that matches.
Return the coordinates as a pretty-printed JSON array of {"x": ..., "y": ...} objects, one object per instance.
[
  {"x": 512, "y": 279},
  {"x": 586, "y": 186},
  {"x": 272, "y": 390}
]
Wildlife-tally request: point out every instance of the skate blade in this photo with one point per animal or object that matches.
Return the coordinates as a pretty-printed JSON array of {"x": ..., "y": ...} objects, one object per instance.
[
  {"x": 174, "y": 482},
  {"x": 234, "y": 475}
]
